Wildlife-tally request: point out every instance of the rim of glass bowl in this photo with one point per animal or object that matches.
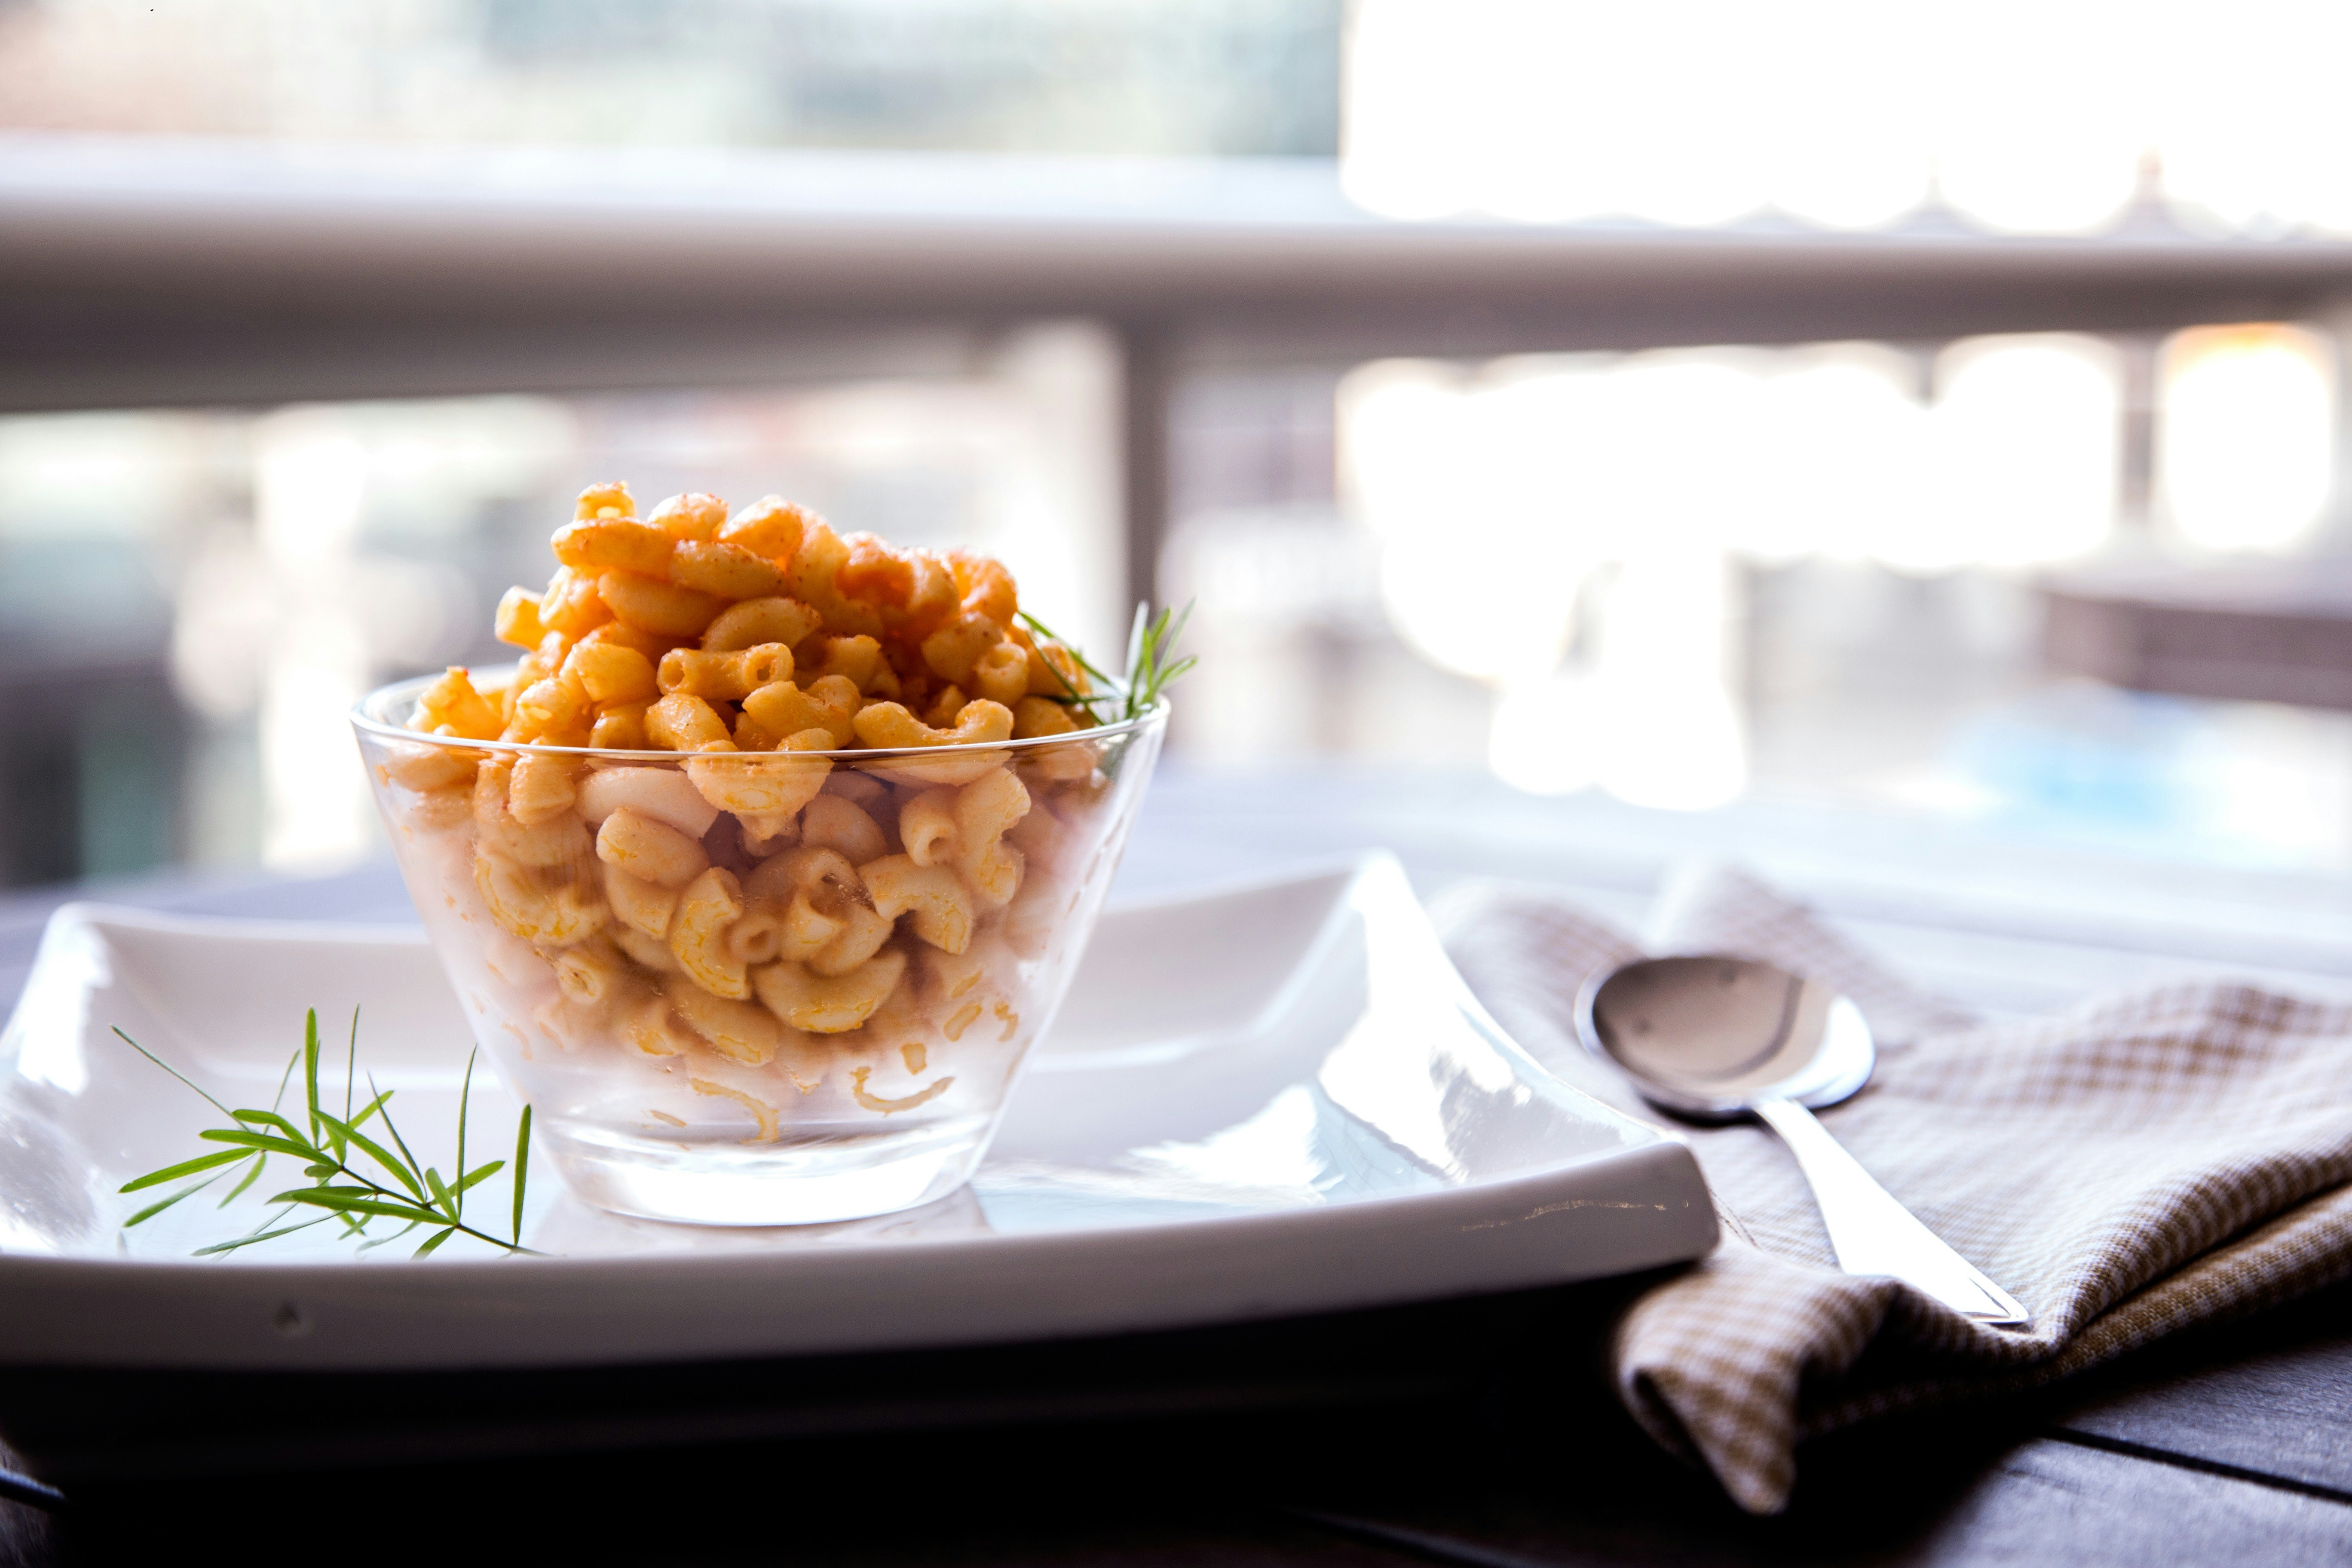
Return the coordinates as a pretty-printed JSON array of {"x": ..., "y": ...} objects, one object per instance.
[{"x": 364, "y": 718}]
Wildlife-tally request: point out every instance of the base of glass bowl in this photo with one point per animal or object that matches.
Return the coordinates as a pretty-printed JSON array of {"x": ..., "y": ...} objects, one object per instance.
[{"x": 804, "y": 1178}]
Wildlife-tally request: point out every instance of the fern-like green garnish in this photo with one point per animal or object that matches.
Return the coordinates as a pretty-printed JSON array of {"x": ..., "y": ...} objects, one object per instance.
[
  {"x": 1150, "y": 668},
  {"x": 354, "y": 1195}
]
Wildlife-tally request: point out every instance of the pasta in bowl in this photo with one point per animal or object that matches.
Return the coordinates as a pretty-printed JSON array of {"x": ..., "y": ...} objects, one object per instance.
[{"x": 763, "y": 917}]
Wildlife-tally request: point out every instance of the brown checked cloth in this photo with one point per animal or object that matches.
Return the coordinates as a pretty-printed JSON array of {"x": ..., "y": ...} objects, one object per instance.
[{"x": 2171, "y": 1156}]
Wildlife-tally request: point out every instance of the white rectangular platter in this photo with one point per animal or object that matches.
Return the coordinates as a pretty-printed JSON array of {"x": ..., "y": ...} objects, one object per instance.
[{"x": 1275, "y": 1101}]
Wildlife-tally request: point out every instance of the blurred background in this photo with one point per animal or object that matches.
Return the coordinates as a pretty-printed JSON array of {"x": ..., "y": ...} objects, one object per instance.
[{"x": 1918, "y": 408}]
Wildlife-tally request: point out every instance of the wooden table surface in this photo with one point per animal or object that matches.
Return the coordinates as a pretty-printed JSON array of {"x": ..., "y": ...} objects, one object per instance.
[{"x": 2229, "y": 1445}]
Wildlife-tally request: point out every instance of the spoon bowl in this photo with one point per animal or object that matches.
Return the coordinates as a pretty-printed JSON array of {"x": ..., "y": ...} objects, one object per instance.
[{"x": 1708, "y": 1037}]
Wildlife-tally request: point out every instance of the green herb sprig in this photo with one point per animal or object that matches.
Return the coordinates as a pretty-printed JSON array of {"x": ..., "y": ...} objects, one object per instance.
[
  {"x": 390, "y": 1186},
  {"x": 1151, "y": 671}
]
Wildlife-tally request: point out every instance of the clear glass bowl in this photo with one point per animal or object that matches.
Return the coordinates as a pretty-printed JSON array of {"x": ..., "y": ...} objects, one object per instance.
[{"x": 758, "y": 988}]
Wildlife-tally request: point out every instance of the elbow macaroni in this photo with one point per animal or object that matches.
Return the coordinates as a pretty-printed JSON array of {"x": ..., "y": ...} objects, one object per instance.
[
  {"x": 698, "y": 934},
  {"x": 766, "y": 917}
]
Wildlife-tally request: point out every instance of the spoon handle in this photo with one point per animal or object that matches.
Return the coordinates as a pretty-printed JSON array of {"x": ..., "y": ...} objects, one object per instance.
[{"x": 1873, "y": 1234}]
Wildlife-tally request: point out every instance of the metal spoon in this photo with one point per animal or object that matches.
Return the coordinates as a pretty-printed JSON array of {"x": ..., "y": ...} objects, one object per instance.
[{"x": 1717, "y": 1038}]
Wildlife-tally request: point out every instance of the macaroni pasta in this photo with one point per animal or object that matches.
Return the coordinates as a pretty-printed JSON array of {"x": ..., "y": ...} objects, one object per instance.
[{"x": 807, "y": 910}]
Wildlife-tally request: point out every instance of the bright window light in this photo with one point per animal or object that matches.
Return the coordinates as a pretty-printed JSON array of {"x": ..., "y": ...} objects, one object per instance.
[
  {"x": 1407, "y": 444},
  {"x": 1480, "y": 556},
  {"x": 2250, "y": 130},
  {"x": 2060, "y": 173},
  {"x": 2245, "y": 451},
  {"x": 1668, "y": 730},
  {"x": 1653, "y": 721},
  {"x": 2026, "y": 432},
  {"x": 1505, "y": 500},
  {"x": 2040, "y": 127},
  {"x": 2022, "y": 116},
  {"x": 1493, "y": 497},
  {"x": 1544, "y": 739},
  {"x": 310, "y": 474},
  {"x": 89, "y": 473},
  {"x": 1411, "y": 116},
  {"x": 1545, "y": 112},
  {"x": 1565, "y": 528},
  {"x": 1842, "y": 449},
  {"x": 1847, "y": 142}
]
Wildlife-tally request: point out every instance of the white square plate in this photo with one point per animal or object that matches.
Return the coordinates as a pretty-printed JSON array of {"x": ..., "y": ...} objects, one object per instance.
[{"x": 1271, "y": 1102}]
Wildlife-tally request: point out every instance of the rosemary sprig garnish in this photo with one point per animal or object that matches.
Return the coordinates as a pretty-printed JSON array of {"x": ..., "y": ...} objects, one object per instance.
[
  {"x": 354, "y": 1195},
  {"x": 1150, "y": 670}
]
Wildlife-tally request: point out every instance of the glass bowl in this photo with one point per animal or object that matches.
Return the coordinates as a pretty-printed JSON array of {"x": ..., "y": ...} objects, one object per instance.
[{"x": 758, "y": 988}]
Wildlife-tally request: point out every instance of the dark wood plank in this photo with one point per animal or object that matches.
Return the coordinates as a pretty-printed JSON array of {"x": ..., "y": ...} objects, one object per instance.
[
  {"x": 2046, "y": 1502},
  {"x": 772, "y": 1523},
  {"x": 1161, "y": 1497},
  {"x": 1547, "y": 1472},
  {"x": 1377, "y": 1492},
  {"x": 1146, "y": 1539},
  {"x": 1558, "y": 1476},
  {"x": 2272, "y": 1395}
]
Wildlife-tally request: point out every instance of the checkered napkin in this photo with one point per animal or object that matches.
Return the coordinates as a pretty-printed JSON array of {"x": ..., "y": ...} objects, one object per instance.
[{"x": 2171, "y": 1156}]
